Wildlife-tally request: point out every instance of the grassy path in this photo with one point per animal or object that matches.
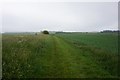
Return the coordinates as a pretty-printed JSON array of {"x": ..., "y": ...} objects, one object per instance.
[{"x": 68, "y": 61}]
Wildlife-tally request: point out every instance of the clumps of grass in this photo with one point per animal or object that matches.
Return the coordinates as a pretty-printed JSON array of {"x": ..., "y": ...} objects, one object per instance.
[
  {"x": 106, "y": 60},
  {"x": 20, "y": 54},
  {"x": 26, "y": 56},
  {"x": 15, "y": 59}
]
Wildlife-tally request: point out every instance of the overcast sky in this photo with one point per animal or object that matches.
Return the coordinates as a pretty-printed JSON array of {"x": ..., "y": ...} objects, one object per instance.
[{"x": 59, "y": 16}]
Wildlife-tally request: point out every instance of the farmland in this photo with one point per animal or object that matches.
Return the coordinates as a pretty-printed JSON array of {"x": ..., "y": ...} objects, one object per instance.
[{"x": 65, "y": 55}]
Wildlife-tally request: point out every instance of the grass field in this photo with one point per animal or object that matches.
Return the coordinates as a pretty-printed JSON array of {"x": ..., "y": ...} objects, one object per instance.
[
  {"x": 74, "y": 55},
  {"x": 105, "y": 41}
]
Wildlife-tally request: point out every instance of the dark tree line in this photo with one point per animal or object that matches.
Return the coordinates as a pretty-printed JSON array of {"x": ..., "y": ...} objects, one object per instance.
[{"x": 110, "y": 31}]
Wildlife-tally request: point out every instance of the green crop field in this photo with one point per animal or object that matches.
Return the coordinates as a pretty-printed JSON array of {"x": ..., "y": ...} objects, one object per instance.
[
  {"x": 105, "y": 41},
  {"x": 63, "y": 55}
]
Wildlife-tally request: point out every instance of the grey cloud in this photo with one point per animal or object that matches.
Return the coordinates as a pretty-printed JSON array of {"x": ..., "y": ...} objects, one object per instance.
[{"x": 69, "y": 16}]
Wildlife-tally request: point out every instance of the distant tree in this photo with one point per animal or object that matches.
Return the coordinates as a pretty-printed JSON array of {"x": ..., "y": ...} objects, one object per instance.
[
  {"x": 45, "y": 32},
  {"x": 35, "y": 33}
]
